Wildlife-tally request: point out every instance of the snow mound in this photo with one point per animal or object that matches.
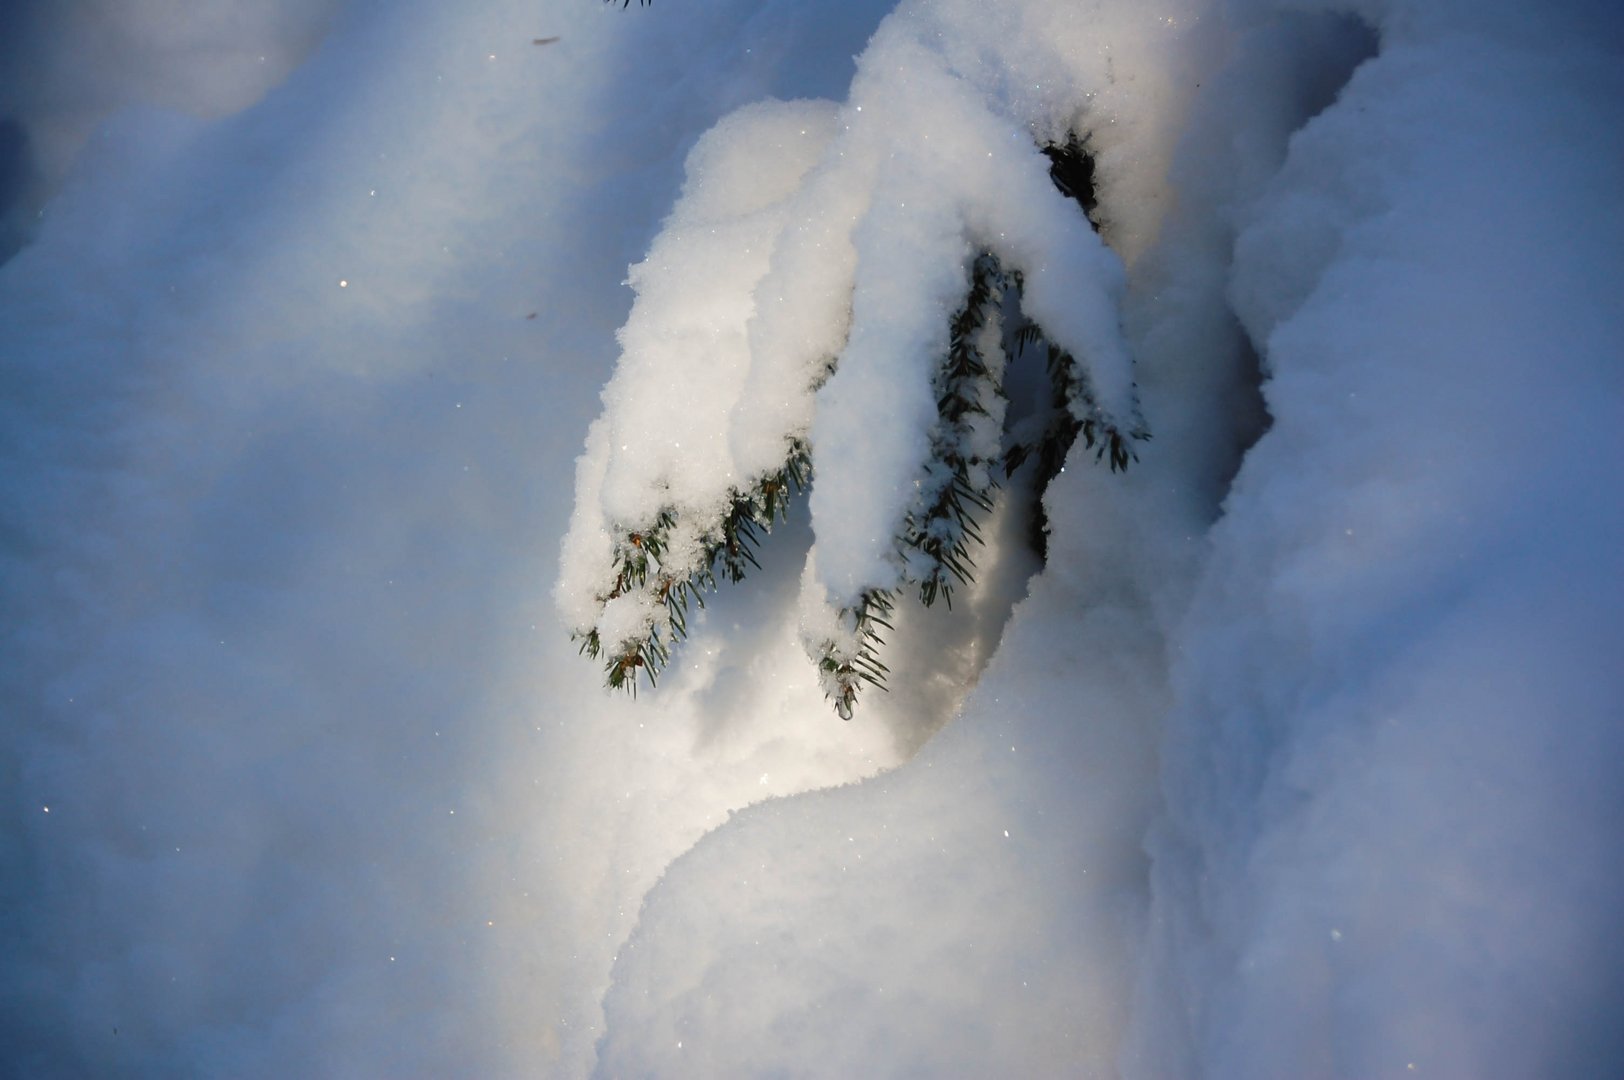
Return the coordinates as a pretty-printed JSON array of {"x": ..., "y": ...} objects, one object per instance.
[{"x": 1380, "y": 693}]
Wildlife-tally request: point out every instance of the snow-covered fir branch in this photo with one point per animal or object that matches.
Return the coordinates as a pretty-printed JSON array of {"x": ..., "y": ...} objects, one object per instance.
[{"x": 826, "y": 295}]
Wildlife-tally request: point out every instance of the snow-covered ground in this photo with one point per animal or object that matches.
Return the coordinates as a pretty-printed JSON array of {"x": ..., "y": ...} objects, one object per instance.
[{"x": 1301, "y": 756}]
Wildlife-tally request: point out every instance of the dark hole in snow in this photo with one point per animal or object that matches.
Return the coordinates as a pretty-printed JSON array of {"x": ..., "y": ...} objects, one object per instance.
[{"x": 1071, "y": 167}]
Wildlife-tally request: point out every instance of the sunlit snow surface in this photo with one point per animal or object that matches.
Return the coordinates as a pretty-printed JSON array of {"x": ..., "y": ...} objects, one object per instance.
[{"x": 1298, "y": 763}]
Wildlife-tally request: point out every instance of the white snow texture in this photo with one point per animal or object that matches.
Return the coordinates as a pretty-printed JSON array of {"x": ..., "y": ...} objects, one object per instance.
[{"x": 1301, "y": 755}]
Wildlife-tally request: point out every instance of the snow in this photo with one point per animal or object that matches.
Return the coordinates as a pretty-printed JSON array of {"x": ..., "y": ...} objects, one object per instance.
[
  {"x": 277, "y": 554},
  {"x": 923, "y": 166},
  {"x": 1378, "y": 695},
  {"x": 1298, "y": 757}
]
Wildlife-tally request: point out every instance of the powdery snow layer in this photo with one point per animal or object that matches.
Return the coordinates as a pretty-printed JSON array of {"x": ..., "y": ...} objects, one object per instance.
[
  {"x": 1312, "y": 773},
  {"x": 1391, "y": 769},
  {"x": 299, "y": 778},
  {"x": 973, "y": 913}
]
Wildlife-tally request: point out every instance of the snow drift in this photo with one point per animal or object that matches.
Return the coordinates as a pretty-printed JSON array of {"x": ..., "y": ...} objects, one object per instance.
[{"x": 1299, "y": 757}]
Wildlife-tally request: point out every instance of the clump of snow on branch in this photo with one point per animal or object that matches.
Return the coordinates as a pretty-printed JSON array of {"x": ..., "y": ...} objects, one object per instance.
[
  {"x": 799, "y": 304},
  {"x": 661, "y": 443}
]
